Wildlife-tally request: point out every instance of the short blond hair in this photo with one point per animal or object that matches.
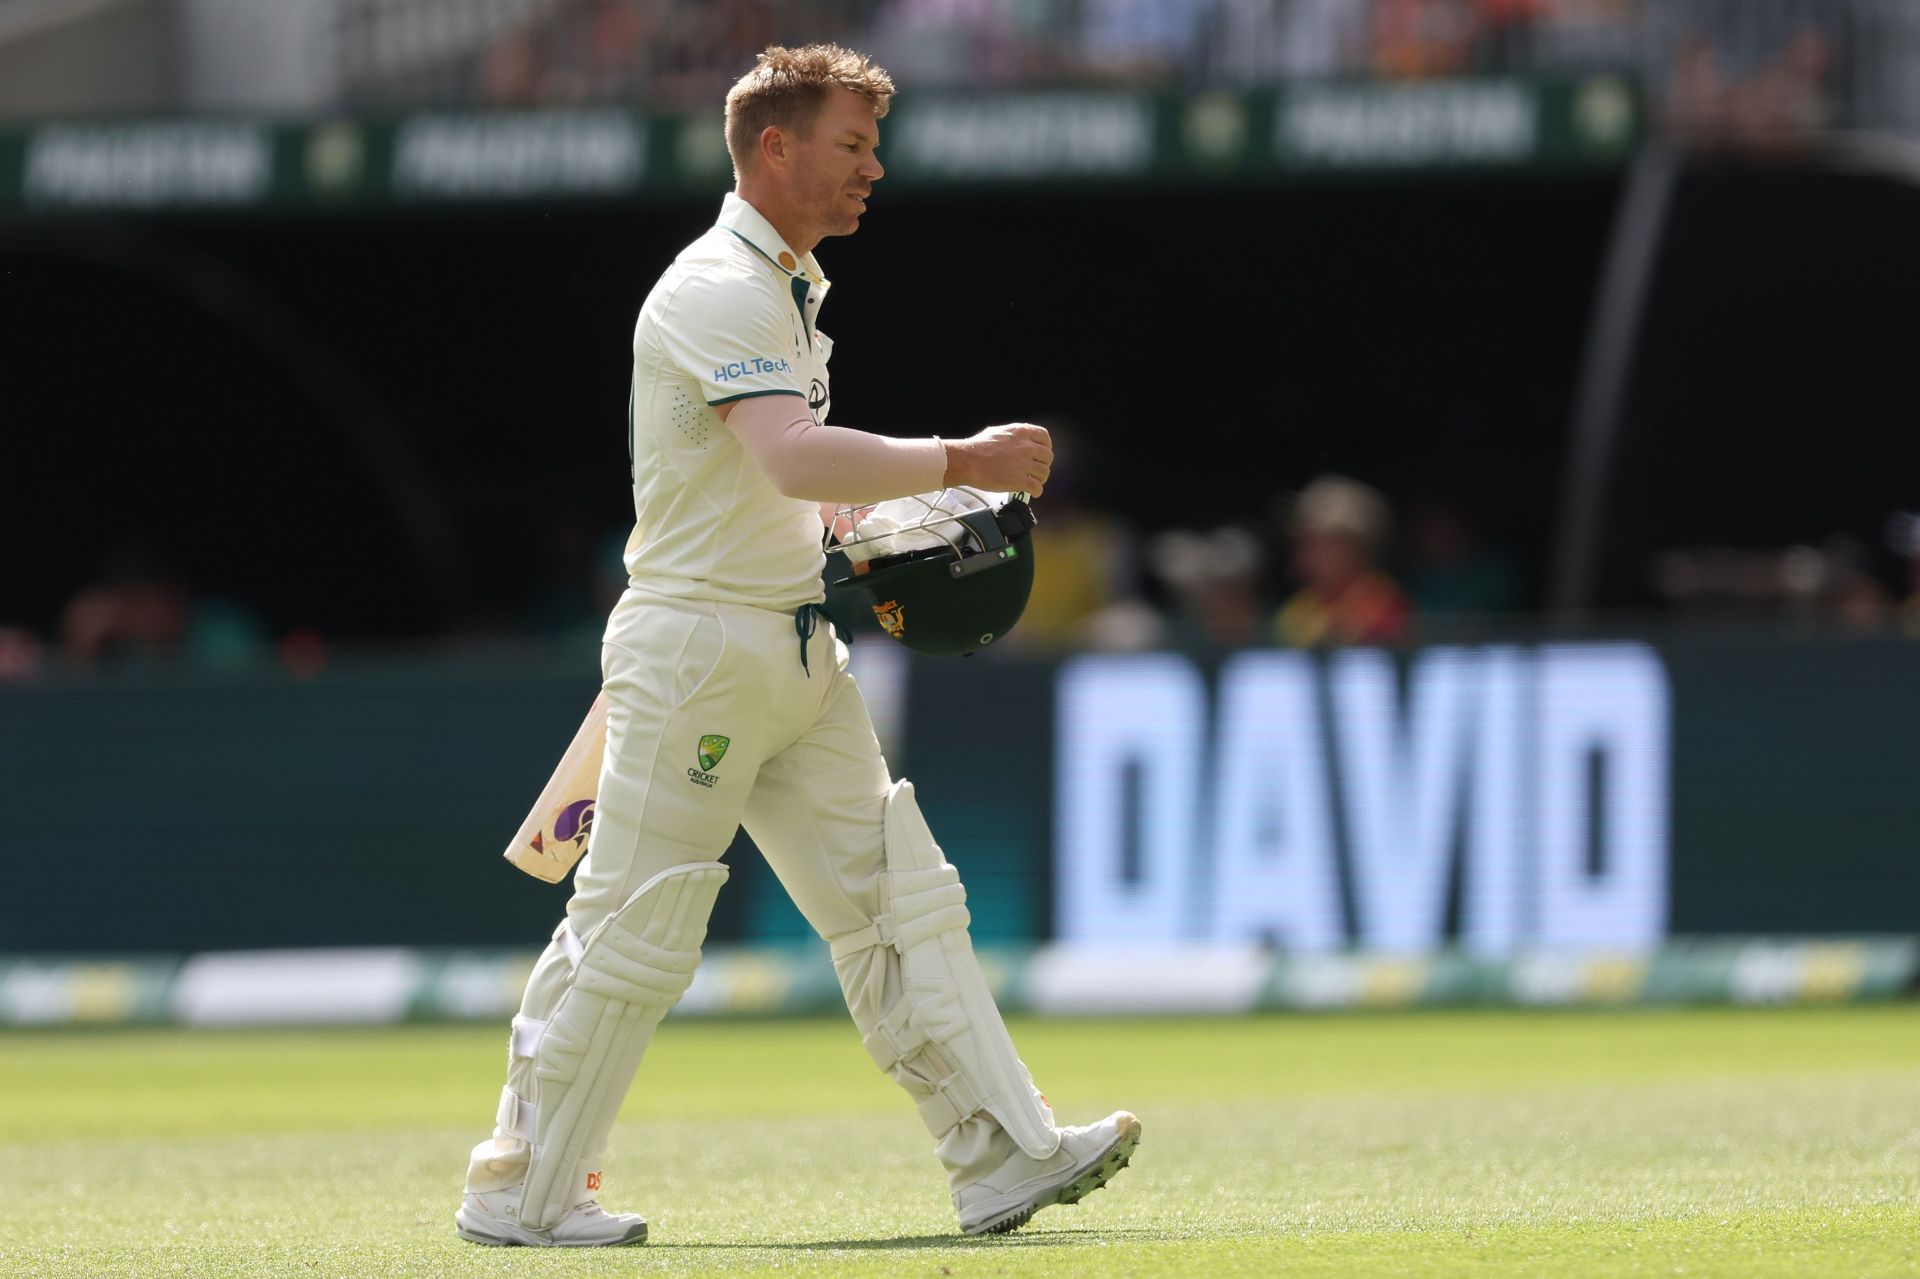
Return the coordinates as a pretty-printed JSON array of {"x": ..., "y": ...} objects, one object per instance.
[{"x": 788, "y": 87}]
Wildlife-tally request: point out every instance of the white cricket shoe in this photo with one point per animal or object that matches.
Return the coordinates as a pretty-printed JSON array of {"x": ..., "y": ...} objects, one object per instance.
[
  {"x": 1089, "y": 1156},
  {"x": 494, "y": 1218}
]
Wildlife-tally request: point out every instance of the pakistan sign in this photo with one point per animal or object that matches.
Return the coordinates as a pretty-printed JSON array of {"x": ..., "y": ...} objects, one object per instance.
[
  {"x": 147, "y": 165},
  {"x": 518, "y": 154},
  {"x": 1051, "y": 136},
  {"x": 1417, "y": 124},
  {"x": 1443, "y": 124},
  {"x": 1027, "y": 135}
]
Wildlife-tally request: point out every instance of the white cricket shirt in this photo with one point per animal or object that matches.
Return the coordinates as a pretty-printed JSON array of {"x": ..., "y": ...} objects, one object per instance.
[{"x": 733, "y": 317}]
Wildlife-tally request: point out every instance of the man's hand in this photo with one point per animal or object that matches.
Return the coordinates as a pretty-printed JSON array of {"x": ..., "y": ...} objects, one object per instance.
[
  {"x": 841, "y": 519},
  {"x": 1016, "y": 458}
]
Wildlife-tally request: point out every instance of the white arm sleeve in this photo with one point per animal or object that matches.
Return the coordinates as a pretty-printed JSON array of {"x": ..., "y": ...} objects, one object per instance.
[{"x": 831, "y": 463}]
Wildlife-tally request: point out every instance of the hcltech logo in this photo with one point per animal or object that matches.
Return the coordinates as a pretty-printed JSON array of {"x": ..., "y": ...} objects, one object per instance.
[
  {"x": 747, "y": 368},
  {"x": 712, "y": 749}
]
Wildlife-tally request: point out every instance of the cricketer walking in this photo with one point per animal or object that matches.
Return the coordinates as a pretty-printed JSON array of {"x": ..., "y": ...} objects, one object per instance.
[{"x": 728, "y": 704}]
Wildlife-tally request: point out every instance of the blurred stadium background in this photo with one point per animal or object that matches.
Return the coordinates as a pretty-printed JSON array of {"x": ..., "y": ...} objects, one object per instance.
[{"x": 1483, "y": 568}]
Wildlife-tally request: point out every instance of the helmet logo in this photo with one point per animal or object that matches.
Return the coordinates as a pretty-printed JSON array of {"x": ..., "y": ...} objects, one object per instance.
[
  {"x": 986, "y": 639},
  {"x": 892, "y": 618}
]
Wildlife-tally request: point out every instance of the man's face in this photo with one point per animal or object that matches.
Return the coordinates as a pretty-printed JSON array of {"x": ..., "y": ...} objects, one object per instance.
[
  {"x": 833, "y": 166},
  {"x": 1327, "y": 559}
]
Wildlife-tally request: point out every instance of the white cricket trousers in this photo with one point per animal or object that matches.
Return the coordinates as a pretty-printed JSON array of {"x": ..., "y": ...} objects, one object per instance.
[{"x": 713, "y": 723}]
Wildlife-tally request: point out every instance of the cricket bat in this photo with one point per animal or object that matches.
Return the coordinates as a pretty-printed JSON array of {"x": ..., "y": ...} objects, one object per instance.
[{"x": 554, "y": 836}]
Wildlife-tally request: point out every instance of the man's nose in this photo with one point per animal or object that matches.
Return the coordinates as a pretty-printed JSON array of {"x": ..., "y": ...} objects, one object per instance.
[{"x": 873, "y": 170}]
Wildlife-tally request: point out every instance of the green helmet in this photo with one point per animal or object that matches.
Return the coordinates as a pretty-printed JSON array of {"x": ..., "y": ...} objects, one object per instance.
[{"x": 963, "y": 592}]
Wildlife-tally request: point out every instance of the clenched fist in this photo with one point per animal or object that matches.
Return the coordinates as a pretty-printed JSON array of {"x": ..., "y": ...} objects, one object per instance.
[{"x": 1016, "y": 458}]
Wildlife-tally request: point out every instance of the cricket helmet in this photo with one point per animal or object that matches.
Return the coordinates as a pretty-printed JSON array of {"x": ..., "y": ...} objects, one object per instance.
[{"x": 959, "y": 578}]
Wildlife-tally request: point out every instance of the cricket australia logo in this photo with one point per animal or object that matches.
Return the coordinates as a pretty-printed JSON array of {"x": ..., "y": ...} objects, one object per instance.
[
  {"x": 712, "y": 749},
  {"x": 892, "y": 618}
]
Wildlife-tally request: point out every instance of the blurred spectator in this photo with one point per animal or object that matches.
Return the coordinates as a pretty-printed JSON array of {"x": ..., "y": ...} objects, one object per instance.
[
  {"x": 142, "y": 613},
  {"x": 947, "y": 43},
  {"x": 1585, "y": 34},
  {"x": 1730, "y": 71},
  {"x": 1421, "y": 39},
  {"x": 1903, "y": 538},
  {"x": 1338, "y": 529},
  {"x": 1503, "y": 32},
  {"x": 1727, "y": 72},
  {"x": 1260, "y": 41},
  {"x": 1826, "y": 586},
  {"x": 1451, "y": 571},
  {"x": 1213, "y": 581},
  {"x": 1712, "y": 582},
  {"x": 1141, "y": 40},
  {"x": 21, "y": 653},
  {"x": 618, "y": 32},
  {"x": 710, "y": 42},
  {"x": 1751, "y": 73},
  {"x": 1045, "y": 35},
  {"x": 673, "y": 54},
  {"x": 510, "y": 71},
  {"x": 1083, "y": 565},
  {"x": 1858, "y": 601}
]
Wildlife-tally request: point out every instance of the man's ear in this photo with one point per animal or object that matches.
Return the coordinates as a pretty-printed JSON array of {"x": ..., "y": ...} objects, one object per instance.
[{"x": 773, "y": 145}]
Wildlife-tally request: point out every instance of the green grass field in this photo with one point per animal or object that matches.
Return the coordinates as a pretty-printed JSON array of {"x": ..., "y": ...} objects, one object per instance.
[{"x": 1739, "y": 1143}]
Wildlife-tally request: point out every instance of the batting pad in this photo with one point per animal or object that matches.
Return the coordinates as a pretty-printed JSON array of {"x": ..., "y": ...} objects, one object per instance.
[
  {"x": 628, "y": 972},
  {"x": 924, "y": 1011}
]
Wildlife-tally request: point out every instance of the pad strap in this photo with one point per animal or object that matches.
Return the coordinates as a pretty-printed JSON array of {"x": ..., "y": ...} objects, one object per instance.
[
  {"x": 898, "y": 1038},
  {"x": 526, "y": 1037},
  {"x": 895, "y": 1038},
  {"x": 953, "y": 1100},
  {"x": 515, "y": 1116},
  {"x": 569, "y": 942},
  {"x": 878, "y": 933},
  {"x": 925, "y": 903}
]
